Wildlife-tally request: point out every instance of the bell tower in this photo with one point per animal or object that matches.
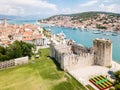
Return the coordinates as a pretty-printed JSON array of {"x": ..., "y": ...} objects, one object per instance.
[{"x": 5, "y": 22}]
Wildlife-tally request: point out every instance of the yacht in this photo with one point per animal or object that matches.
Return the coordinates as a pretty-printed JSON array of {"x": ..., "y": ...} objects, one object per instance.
[{"x": 62, "y": 35}]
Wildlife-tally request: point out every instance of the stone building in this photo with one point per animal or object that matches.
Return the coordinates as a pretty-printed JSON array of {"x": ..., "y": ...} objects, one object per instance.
[
  {"x": 102, "y": 52},
  {"x": 72, "y": 56}
]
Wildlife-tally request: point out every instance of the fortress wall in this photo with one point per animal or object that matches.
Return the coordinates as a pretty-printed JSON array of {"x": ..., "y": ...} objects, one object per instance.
[
  {"x": 79, "y": 56},
  {"x": 79, "y": 49},
  {"x": 68, "y": 60},
  {"x": 55, "y": 53},
  {"x": 72, "y": 61}
]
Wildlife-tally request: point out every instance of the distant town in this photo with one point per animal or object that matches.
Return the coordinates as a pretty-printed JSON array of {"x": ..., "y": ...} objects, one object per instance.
[
  {"x": 30, "y": 33},
  {"x": 89, "y": 20}
]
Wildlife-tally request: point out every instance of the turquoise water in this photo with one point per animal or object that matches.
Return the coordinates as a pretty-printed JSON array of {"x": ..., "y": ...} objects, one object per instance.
[
  {"x": 86, "y": 38},
  {"x": 21, "y": 21}
]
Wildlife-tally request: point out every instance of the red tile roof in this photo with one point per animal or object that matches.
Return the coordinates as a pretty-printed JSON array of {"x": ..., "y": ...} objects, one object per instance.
[
  {"x": 27, "y": 39},
  {"x": 6, "y": 42},
  {"x": 39, "y": 36}
]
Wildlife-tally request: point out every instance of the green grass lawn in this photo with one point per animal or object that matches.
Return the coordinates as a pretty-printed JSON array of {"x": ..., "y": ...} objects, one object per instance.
[{"x": 42, "y": 74}]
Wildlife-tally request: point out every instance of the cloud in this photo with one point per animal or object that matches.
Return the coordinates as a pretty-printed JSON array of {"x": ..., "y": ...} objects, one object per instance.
[
  {"x": 25, "y": 7},
  {"x": 45, "y": 8},
  {"x": 89, "y": 3},
  {"x": 110, "y": 8},
  {"x": 68, "y": 10},
  {"x": 108, "y": 1}
]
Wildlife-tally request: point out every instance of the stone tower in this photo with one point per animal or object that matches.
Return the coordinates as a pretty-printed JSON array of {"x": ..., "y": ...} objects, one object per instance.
[
  {"x": 5, "y": 22},
  {"x": 102, "y": 52}
]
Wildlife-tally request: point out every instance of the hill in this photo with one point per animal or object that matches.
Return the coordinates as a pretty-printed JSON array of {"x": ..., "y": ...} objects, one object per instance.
[
  {"x": 90, "y": 20},
  {"x": 85, "y": 15}
]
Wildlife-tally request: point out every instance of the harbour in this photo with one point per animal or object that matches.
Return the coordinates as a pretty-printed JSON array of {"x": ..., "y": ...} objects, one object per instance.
[
  {"x": 86, "y": 38},
  {"x": 81, "y": 36}
]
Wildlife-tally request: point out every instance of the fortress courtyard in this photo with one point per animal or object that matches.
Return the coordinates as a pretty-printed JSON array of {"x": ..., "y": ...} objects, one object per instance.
[{"x": 83, "y": 74}]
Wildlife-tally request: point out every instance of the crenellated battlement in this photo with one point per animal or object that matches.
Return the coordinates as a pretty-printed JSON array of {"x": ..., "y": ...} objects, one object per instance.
[
  {"x": 80, "y": 50},
  {"x": 77, "y": 55}
]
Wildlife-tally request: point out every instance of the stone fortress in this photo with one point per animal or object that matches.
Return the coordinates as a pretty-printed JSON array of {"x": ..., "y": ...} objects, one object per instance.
[{"x": 72, "y": 55}]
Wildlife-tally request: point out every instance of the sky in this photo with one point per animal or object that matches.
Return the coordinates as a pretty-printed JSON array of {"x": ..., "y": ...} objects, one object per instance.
[{"x": 45, "y": 8}]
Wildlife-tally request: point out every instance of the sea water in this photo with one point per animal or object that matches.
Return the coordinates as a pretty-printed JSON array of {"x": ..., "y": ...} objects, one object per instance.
[
  {"x": 86, "y": 38},
  {"x": 21, "y": 21}
]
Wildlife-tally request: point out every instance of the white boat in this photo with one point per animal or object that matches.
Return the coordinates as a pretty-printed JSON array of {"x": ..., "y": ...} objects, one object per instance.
[
  {"x": 62, "y": 35},
  {"x": 97, "y": 32},
  {"x": 107, "y": 34}
]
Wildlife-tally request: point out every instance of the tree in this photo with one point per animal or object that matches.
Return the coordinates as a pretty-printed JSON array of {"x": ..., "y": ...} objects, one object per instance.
[
  {"x": 2, "y": 50},
  {"x": 3, "y": 57},
  {"x": 10, "y": 37},
  {"x": 100, "y": 27},
  {"x": 16, "y": 50},
  {"x": 117, "y": 87},
  {"x": 27, "y": 49},
  {"x": 117, "y": 77},
  {"x": 117, "y": 80}
]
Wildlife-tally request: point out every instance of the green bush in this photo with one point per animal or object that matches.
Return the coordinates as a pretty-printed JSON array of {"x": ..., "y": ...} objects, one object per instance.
[
  {"x": 16, "y": 50},
  {"x": 117, "y": 80},
  {"x": 111, "y": 89},
  {"x": 117, "y": 87}
]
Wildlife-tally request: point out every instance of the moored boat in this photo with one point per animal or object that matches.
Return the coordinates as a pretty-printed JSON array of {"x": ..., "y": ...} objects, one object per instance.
[
  {"x": 107, "y": 33},
  {"x": 97, "y": 32},
  {"x": 114, "y": 34}
]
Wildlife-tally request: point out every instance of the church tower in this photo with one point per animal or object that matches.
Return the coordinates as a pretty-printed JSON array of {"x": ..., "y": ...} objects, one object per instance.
[
  {"x": 102, "y": 52},
  {"x": 5, "y": 22}
]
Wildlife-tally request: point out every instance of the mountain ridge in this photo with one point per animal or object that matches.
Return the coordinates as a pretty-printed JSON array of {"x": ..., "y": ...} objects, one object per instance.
[
  {"x": 90, "y": 13},
  {"x": 89, "y": 20}
]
